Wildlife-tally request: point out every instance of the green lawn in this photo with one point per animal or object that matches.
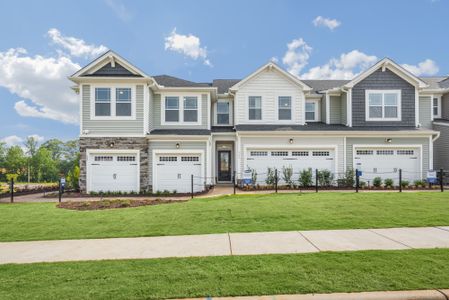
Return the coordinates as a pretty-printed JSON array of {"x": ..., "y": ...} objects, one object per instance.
[
  {"x": 43, "y": 221},
  {"x": 228, "y": 276}
]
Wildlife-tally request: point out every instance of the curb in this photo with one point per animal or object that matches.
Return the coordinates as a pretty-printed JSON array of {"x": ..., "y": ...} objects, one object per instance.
[{"x": 386, "y": 295}]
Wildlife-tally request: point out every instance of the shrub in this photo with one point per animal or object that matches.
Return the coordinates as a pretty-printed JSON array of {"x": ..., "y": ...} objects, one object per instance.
[
  {"x": 73, "y": 178},
  {"x": 287, "y": 173},
  {"x": 377, "y": 182},
  {"x": 270, "y": 180},
  {"x": 388, "y": 183},
  {"x": 419, "y": 183},
  {"x": 362, "y": 184},
  {"x": 325, "y": 177},
  {"x": 405, "y": 183},
  {"x": 305, "y": 177},
  {"x": 349, "y": 179}
]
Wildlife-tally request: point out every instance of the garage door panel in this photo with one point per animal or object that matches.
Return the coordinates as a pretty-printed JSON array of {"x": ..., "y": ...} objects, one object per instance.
[{"x": 174, "y": 171}]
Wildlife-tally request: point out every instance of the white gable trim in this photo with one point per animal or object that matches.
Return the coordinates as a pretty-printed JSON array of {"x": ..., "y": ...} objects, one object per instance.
[
  {"x": 108, "y": 57},
  {"x": 271, "y": 66},
  {"x": 387, "y": 63}
]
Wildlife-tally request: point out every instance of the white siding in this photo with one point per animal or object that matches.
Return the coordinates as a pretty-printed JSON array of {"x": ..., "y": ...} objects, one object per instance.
[{"x": 269, "y": 85}]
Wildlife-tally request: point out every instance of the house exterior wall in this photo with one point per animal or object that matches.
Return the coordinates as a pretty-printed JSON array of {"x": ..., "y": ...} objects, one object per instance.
[
  {"x": 424, "y": 141},
  {"x": 441, "y": 147},
  {"x": 156, "y": 114},
  {"x": 171, "y": 145},
  {"x": 129, "y": 143},
  {"x": 112, "y": 126},
  {"x": 425, "y": 112},
  {"x": 335, "y": 110},
  {"x": 344, "y": 105},
  {"x": 445, "y": 106},
  {"x": 383, "y": 80},
  {"x": 269, "y": 84},
  {"x": 323, "y": 110}
]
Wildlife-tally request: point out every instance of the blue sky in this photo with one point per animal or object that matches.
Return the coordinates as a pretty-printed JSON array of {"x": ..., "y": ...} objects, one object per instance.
[{"x": 200, "y": 41}]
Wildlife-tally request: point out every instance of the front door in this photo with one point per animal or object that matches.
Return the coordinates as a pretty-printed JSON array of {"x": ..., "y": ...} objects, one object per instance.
[{"x": 224, "y": 166}]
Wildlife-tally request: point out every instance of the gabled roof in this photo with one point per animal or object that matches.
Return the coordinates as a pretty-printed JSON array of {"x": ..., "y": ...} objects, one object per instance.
[
  {"x": 271, "y": 65},
  {"x": 392, "y": 66},
  {"x": 170, "y": 81},
  {"x": 108, "y": 58},
  {"x": 444, "y": 83},
  {"x": 223, "y": 85}
]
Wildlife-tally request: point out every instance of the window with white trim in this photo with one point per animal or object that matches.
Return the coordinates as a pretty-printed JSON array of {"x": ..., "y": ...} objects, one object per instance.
[
  {"x": 103, "y": 158},
  {"x": 190, "y": 158},
  {"x": 168, "y": 158},
  {"x": 285, "y": 108},
  {"x": 405, "y": 152},
  {"x": 255, "y": 108},
  {"x": 320, "y": 153},
  {"x": 126, "y": 158},
  {"x": 190, "y": 109},
  {"x": 171, "y": 109},
  {"x": 385, "y": 152},
  {"x": 123, "y": 102},
  {"x": 383, "y": 105},
  {"x": 311, "y": 111},
  {"x": 102, "y": 102},
  {"x": 223, "y": 112},
  {"x": 300, "y": 153},
  {"x": 436, "y": 107}
]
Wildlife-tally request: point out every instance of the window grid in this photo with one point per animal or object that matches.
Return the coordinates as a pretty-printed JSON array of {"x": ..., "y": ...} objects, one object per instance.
[
  {"x": 320, "y": 153},
  {"x": 171, "y": 109},
  {"x": 279, "y": 153},
  {"x": 405, "y": 152},
  {"x": 383, "y": 105},
  {"x": 365, "y": 152},
  {"x": 103, "y": 158},
  {"x": 126, "y": 158},
  {"x": 168, "y": 158},
  {"x": 259, "y": 153},
  {"x": 300, "y": 153},
  {"x": 190, "y": 109},
  {"x": 190, "y": 158},
  {"x": 311, "y": 109},
  {"x": 285, "y": 108},
  {"x": 223, "y": 112},
  {"x": 255, "y": 108},
  {"x": 385, "y": 152}
]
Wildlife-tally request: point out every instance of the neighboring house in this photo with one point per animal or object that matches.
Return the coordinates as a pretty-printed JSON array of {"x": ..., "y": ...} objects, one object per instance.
[{"x": 141, "y": 132}]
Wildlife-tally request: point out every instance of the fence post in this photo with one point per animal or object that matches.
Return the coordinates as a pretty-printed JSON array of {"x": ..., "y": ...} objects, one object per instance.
[
  {"x": 191, "y": 186},
  {"x": 316, "y": 180},
  {"x": 60, "y": 190},
  {"x": 276, "y": 180},
  {"x": 233, "y": 180},
  {"x": 11, "y": 189},
  {"x": 357, "y": 180},
  {"x": 441, "y": 180},
  {"x": 400, "y": 180}
]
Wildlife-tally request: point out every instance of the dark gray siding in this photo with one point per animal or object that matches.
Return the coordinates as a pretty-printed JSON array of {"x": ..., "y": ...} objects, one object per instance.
[
  {"x": 386, "y": 80},
  {"x": 425, "y": 111},
  {"x": 445, "y": 106},
  {"x": 117, "y": 71},
  {"x": 441, "y": 147}
]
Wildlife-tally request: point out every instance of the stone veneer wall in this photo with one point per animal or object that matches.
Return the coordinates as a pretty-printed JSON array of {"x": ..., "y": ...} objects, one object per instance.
[{"x": 132, "y": 143}]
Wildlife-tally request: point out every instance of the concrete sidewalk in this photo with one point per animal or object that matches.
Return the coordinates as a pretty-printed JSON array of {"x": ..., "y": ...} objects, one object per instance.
[
  {"x": 388, "y": 295},
  {"x": 225, "y": 244}
]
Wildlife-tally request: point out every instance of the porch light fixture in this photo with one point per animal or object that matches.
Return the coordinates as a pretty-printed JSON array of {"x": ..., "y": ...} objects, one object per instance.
[
  {"x": 388, "y": 140},
  {"x": 290, "y": 141},
  {"x": 177, "y": 145}
]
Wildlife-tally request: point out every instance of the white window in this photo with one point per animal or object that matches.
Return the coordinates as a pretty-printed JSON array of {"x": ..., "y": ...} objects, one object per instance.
[
  {"x": 320, "y": 153},
  {"x": 405, "y": 152},
  {"x": 123, "y": 102},
  {"x": 126, "y": 158},
  {"x": 171, "y": 109},
  {"x": 383, "y": 105},
  {"x": 103, "y": 158},
  {"x": 223, "y": 112},
  {"x": 190, "y": 109},
  {"x": 385, "y": 152},
  {"x": 436, "y": 107},
  {"x": 102, "y": 102},
  {"x": 311, "y": 110},
  {"x": 255, "y": 108},
  {"x": 113, "y": 102},
  {"x": 168, "y": 158},
  {"x": 190, "y": 158},
  {"x": 300, "y": 153},
  {"x": 285, "y": 108}
]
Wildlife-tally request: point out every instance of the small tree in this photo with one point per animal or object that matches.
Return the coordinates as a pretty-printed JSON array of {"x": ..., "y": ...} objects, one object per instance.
[
  {"x": 73, "y": 178},
  {"x": 377, "y": 182},
  {"x": 349, "y": 179},
  {"x": 325, "y": 177},
  {"x": 388, "y": 183},
  {"x": 287, "y": 173},
  {"x": 305, "y": 177},
  {"x": 270, "y": 180}
]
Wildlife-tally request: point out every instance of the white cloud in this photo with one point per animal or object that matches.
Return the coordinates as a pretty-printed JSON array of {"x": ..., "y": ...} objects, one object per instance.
[
  {"x": 188, "y": 45},
  {"x": 326, "y": 22},
  {"x": 426, "y": 67},
  {"x": 43, "y": 82},
  {"x": 37, "y": 138},
  {"x": 274, "y": 59},
  {"x": 76, "y": 47},
  {"x": 12, "y": 140},
  {"x": 347, "y": 66},
  {"x": 297, "y": 56},
  {"x": 119, "y": 9}
]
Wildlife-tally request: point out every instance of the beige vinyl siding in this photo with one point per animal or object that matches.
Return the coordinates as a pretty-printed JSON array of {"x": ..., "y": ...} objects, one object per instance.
[
  {"x": 157, "y": 114},
  {"x": 425, "y": 112},
  {"x": 171, "y": 145},
  {"x": 112, "y": 127},
  {"x": 269, "y": 84},
  {"x": 335, "y": 109},
  {"x": 350, "y": 141}
]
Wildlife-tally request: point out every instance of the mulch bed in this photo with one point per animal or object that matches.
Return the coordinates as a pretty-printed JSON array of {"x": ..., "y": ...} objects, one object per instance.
[{"x": 116, "y": 203}]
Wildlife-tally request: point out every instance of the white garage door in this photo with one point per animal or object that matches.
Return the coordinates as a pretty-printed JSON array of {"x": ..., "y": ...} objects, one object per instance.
[
  {"x": 386, "y": 162},
  {"x": 113, "y": 172},
  {"x": 298, "y": 159},
  {"x": 173, "y": 173}
]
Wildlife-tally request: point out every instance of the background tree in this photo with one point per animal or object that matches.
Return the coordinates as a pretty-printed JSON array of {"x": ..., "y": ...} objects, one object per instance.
[{"x": 15, "y": 162}]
